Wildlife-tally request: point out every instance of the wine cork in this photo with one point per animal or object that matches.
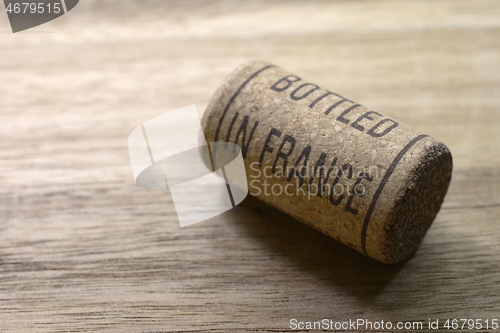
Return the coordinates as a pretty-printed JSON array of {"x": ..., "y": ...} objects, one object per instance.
[{"x": 356, "y": 175}]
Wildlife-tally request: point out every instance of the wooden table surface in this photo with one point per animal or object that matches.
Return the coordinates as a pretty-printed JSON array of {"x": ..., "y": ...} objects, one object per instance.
[{"x": 82, "y": 248}]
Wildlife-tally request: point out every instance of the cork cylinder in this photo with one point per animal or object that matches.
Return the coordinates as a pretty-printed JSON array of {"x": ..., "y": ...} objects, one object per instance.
[{"x": 353, "y": 173}]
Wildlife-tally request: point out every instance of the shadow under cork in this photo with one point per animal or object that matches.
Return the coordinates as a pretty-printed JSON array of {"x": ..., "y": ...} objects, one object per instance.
[{"x": 313, "y": 251}]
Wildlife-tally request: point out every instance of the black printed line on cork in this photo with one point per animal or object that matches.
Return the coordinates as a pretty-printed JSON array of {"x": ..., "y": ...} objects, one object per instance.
[
  {"x": 231, "y": 100},
  {"x": 387, "y": 175}
]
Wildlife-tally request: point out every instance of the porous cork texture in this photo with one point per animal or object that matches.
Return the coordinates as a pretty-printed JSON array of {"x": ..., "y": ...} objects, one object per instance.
[{"x": 278, "y": 118}]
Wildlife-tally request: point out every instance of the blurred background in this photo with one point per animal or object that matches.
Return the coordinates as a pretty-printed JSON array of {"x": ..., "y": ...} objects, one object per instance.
[{"x": 82, "y": 247}]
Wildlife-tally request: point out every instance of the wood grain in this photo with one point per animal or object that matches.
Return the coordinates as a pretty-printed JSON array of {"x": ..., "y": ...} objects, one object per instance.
[{"x": 82, "y": 248}]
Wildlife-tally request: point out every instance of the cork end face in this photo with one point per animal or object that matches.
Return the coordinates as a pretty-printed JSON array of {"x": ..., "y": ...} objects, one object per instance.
[{"x": 419, "y": 204}]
